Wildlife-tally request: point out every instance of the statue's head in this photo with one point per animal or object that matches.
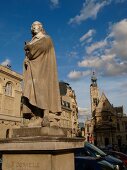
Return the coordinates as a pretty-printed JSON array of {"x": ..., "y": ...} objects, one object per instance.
[{"x": 37, "y": 27}]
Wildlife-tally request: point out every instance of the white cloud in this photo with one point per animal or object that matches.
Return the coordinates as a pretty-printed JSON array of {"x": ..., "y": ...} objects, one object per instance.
[
  {"x": 109, "y": 60},
  {"x": 83, "y": 114},
  {"x": 72, "y": 54},
  {"x": 89, "y": 34},
  {"x": 115, "y": 69},
  {"x": 89, "y": 40},
  {"x": 109, "y": 56},
  {"x": 95, "y": 46},
  {"x": 119, "y": 34},
  {"x": 105, "y": 65},
  {"x": 90, "y": 9},
  {"x": 75, "y": 75},
  {"x": 83, "y": 111},
  {"x": 81, "y": 89},
  {"x": 96, "y": 61},
  {"x": 6, "y": 62},
  {"x": 54, "y": 3}
]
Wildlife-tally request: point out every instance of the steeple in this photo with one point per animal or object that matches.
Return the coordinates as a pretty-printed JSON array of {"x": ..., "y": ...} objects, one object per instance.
[
  {"x": 94, "y": 93},
  {"x": 94, "y": 80}
]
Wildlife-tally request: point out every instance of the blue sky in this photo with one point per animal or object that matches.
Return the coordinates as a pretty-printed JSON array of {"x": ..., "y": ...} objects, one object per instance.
[{"x": 88, "y": 35}]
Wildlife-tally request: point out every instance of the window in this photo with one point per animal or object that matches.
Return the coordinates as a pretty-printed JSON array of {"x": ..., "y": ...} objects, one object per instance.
[
  {"x": 7, "y": 133},
  {"x": 95, "y": 101},
  {"x": 8, "y": 89},
  {"x": 66, "y": 104},
  {"x": 118, "y": 126},
  {"x": 104, "y": 117},
  {"x": 88, "y": 138},
  {"x": 87, "y": 128},
  {"x": 125, "y": 126}
]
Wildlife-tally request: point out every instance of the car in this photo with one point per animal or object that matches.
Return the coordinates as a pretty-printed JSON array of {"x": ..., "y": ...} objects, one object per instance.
[
  {"x": 0, "y": 164},
  {"x": 118, "y": 155},
  {"x": 93, "y": 151},
  {"x": 90, "y": 163}
]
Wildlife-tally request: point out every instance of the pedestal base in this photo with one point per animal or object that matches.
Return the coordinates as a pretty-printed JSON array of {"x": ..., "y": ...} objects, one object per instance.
[
  {"x": 38, "y": 162},
  {"x": 39, "y": 153}
]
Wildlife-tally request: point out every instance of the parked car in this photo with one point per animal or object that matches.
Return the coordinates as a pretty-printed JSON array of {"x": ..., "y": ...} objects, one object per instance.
[
  {"x": 93, "y": 151},
  {"x": 0, "y": 163},
  {"x": 90, "y": 163},
  {"x": 118, "y": 155}
]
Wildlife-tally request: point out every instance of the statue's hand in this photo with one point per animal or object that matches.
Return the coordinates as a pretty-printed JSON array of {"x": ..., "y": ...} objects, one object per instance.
[
  {"x": 27, "y": 52},
  {"x": 26, "y": 62},
  {"x": 26, "y": 48}
]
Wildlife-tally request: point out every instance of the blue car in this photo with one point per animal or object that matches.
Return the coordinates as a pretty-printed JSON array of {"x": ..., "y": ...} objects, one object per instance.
[
  {"x": 93, "y": 151},
  {"x": 90, "y": 163}
]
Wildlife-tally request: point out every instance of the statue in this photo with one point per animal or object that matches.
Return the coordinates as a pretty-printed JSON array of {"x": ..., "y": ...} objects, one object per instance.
[{"x": 41, "y": 89}]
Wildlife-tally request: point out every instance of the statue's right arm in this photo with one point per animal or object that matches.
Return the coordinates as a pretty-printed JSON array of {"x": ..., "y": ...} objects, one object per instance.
[{"x": 40, "y": 47}]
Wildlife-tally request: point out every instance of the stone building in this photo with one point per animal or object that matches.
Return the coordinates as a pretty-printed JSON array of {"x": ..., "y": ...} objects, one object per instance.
[
  {"x": 69, "y": 116},
  {"x": 89, "y": 130},
  {"x": 108, "y": 125},
  {"x": 10, "y": 97}
]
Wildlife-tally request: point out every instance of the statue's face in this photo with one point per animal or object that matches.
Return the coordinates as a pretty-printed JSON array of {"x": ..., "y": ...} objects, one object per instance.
[{"x": 35, "y": 29}]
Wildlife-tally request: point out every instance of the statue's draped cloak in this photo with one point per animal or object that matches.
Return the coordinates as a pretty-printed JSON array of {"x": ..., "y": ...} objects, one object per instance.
[{"x": 41, "y": 86}]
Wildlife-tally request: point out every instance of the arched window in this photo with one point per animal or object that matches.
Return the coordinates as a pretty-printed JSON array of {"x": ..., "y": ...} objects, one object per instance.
[{"x": 8, "y": 89}]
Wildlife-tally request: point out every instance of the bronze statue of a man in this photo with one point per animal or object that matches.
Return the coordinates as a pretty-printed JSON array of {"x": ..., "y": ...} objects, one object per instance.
[{"x": 41, "y": 89}]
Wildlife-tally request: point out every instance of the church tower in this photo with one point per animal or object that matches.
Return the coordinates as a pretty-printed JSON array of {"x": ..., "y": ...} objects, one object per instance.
[{"x": 94, "y": 94}]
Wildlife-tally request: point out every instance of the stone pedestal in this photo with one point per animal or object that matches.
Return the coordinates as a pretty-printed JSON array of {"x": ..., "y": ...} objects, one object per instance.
[
  {"x": 39, "y": 152},
  {"x": 39, "y": 131},
  {"x": 38, "y": 162}
]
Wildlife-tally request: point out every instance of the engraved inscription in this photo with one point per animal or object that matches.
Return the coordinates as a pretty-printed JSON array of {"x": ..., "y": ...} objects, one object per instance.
[
  {"x": 21, "y": 165},
  {"x": 26, "y": 162},
  {"x": 27, "y": 165}
]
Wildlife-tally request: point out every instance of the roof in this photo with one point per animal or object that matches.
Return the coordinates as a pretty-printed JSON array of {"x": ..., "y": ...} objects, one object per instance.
[{"x": 104, "y": 104}]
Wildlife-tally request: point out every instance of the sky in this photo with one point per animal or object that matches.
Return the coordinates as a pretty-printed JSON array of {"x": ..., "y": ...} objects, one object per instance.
[{"x": 88, "y": 35}]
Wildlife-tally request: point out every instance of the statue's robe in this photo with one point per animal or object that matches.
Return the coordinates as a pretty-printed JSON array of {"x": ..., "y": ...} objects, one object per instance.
[{"x": 41, "y": 88}]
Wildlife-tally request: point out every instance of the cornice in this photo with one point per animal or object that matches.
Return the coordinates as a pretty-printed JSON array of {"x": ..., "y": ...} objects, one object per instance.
[{"x": 11, "y": 73}]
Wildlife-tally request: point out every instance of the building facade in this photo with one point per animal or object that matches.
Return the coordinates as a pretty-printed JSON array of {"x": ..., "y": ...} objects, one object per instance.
[
  {"x": 108, "y": 125},
  {"x": 10, "y": 98},
  {"x": 69, "y": 115}
]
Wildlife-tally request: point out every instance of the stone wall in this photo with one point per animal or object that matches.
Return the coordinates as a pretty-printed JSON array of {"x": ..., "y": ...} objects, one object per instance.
[{"x": 10, "y": 101}]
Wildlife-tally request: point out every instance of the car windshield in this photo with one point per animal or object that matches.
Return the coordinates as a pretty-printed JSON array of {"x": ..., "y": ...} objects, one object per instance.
[{"x": 95, "y": 150}]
